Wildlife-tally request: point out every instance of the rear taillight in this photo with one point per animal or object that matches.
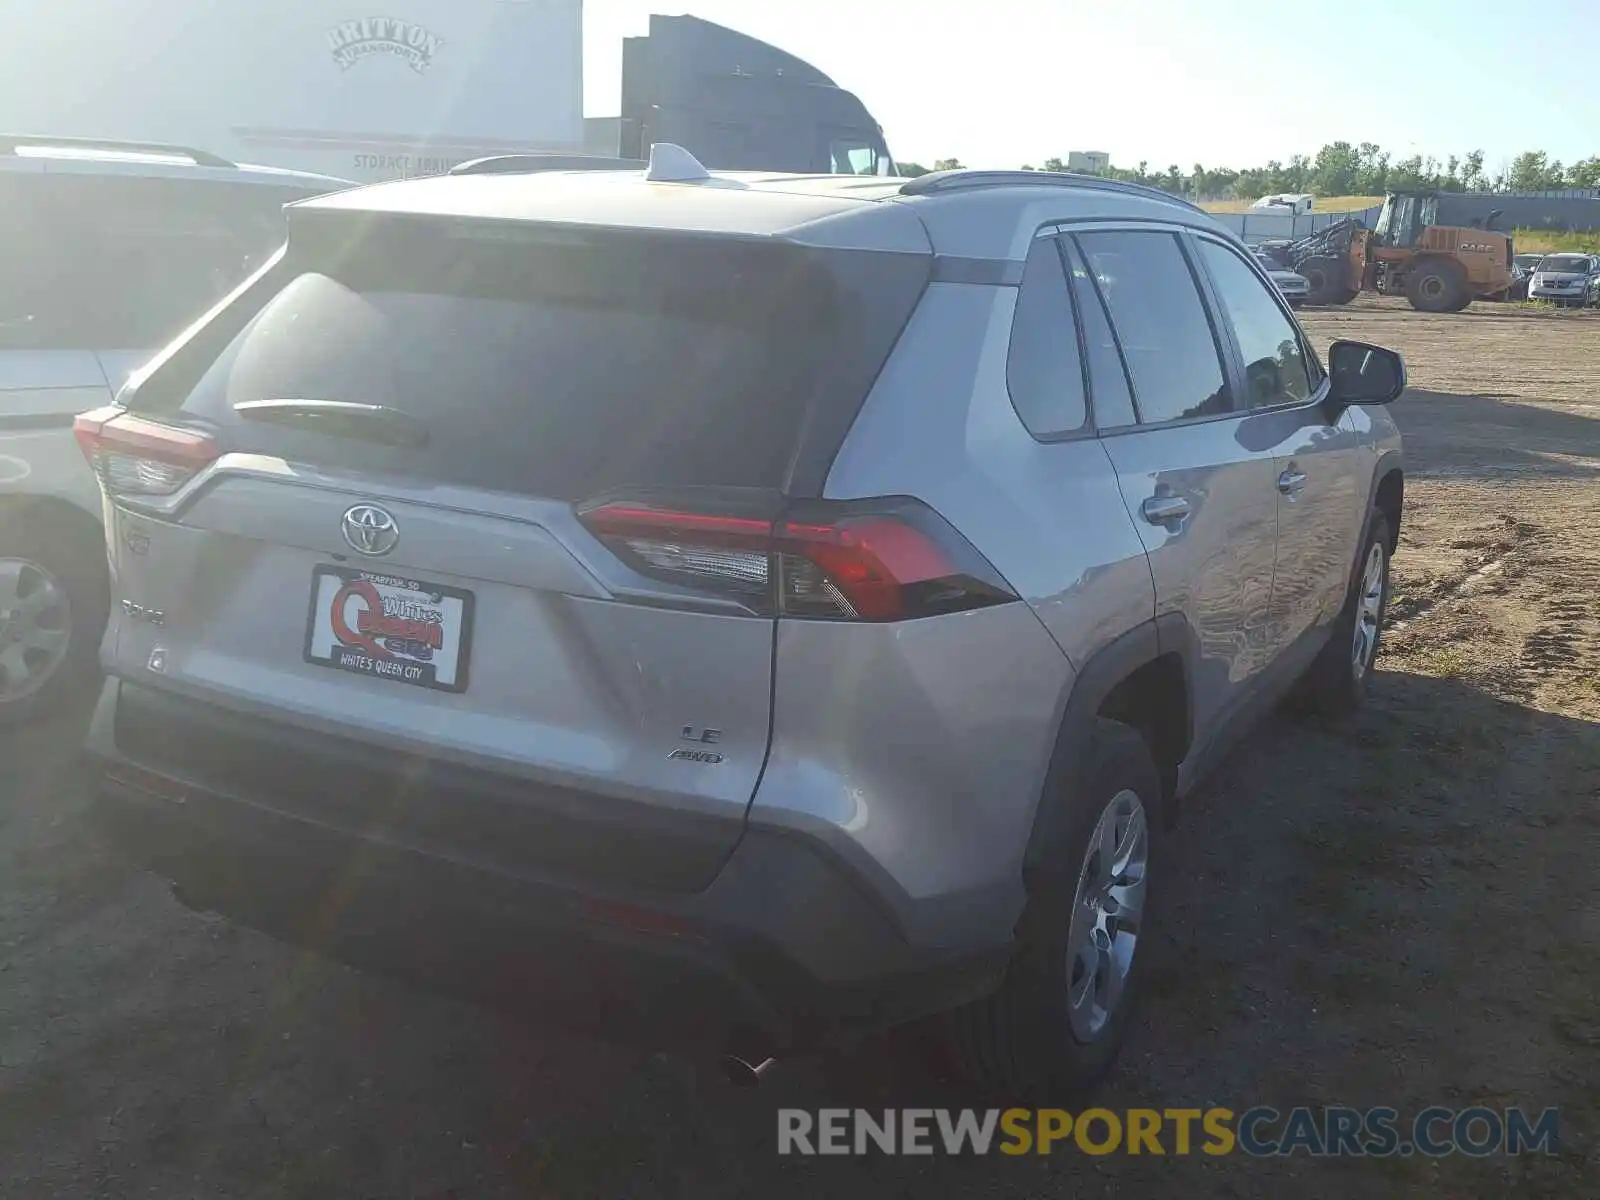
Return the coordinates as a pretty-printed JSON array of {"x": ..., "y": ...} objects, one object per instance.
[
  {"x": 877, "y": 561},
  {"x": 135, "y": 456},
  {"x": 725, "y": 554}
]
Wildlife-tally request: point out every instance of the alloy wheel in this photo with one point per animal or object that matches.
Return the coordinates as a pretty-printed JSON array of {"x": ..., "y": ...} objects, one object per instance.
[
  {"x": 35, "y": 628},
  {"x": 1107, "y": 914},
  {"x": 1369, "y": 611}
]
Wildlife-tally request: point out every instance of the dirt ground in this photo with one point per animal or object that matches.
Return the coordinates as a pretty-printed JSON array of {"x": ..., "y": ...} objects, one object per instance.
[{"x": 1396, "y": 911}]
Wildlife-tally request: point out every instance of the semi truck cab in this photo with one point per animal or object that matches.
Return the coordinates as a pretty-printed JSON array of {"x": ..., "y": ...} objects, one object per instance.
[{"x": 738, "y": 103}]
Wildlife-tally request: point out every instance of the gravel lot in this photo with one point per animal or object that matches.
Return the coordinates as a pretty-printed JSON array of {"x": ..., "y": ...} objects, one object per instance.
[{"x": 1399, "y": 911}]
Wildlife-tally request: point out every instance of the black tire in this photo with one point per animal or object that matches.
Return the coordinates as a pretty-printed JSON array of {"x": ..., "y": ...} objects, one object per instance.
[
  {"x": 72, "y": 552},
  {"x": 1437, "y": 285},
  {"x": 1327, "y": 279},
  {"x": 1335, "y": 684},
  {"x": 1020, "y": 1041},
  {"x": 1345, "y": 295}
]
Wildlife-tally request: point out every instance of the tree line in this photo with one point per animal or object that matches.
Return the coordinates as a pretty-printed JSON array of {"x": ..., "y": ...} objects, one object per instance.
[{"x": 1343, "y": 169}]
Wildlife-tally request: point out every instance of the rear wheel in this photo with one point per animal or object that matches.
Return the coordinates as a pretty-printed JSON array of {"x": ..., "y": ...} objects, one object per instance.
[
  {"x": 1327, "y": 280},
  {"x": 52, "y": 612},
  {"x": 1057, "y": 1022},
  {"x": 1437, "y": 285}
]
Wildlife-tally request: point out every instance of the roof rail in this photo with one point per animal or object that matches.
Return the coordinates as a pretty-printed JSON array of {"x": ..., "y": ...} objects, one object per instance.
[
  {"x": 10, "y": 143},
  {"x": 528, "y": 164},
  {"x": 936, "y": 182}
]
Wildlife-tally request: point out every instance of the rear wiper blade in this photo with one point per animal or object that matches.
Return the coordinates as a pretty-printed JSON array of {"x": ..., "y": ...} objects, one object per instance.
[{"x": 341, "y": 418}]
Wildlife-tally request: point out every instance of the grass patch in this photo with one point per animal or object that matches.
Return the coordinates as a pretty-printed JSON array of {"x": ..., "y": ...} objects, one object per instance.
[
  {"x": 1322, "y": 204},
  {"x": 1554, "y": 241},
  {"x": 1446, "y": 662}
]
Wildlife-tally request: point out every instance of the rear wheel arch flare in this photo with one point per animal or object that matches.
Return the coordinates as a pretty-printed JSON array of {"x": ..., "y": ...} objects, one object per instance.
[
  {"x": 1124, "y": 671},
  {"x": 1389, "y": 499}
]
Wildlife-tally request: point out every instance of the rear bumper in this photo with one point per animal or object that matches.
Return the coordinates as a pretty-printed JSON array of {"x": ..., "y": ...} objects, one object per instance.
[{"x": 781, "y": 948}]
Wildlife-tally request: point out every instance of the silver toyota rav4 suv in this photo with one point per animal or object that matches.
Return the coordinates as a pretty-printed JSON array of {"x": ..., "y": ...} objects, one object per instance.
[{"x": 758, "y": 607}]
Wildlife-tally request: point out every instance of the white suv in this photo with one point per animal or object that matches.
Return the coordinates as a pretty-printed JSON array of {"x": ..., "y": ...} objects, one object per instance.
[{"x": 109, "y": 249}]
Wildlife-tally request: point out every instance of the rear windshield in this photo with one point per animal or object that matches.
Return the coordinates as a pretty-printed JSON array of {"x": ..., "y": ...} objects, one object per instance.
[{"x": 556, "y": 364}]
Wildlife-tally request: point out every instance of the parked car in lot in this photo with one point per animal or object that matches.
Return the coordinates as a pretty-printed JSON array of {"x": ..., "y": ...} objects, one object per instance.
[
  {"x": 1292, "y": 286},
  {"x": 109, "y": 249},
  {"x": 512, "y": 578},
  {"x": 1522, "y": 266},
  {"x": 1565, "y": 279}
]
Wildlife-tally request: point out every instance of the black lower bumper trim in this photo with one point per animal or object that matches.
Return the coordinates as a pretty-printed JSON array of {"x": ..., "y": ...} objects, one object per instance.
[{"x": 779, "y": 951}]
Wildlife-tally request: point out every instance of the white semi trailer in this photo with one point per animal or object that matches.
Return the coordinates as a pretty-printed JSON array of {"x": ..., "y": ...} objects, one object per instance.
[{"x": 387, "y": 88}]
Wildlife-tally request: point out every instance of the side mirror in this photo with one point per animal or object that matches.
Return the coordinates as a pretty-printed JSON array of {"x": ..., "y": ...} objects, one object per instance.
[{"x": 1363, "y": 374}]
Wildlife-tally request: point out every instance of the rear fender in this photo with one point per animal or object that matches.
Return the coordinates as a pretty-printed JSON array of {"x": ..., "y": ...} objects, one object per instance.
[{"x": 1108, "y": 667}]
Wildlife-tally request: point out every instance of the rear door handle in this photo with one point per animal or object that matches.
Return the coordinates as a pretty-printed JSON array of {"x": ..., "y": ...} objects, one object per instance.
[
  {"x": 1291, "y": 481},
  {"x": 1158, "y": 510}
]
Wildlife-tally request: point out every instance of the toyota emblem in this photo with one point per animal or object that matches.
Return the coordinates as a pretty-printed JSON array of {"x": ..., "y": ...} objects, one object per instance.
[{"x": 370, "y": 530}]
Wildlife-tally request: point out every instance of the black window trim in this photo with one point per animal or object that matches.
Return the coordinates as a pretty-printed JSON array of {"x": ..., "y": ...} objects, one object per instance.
[
  {"x": 1096, "y": 296},
  {"x": 1221, "y": 326},
  {"x": 1319, "y": 393},
  {"x": 1225, "y": 354}
]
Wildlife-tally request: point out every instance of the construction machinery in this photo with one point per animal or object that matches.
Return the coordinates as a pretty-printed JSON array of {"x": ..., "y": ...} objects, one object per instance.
[{"x": 1438, "y": 267}]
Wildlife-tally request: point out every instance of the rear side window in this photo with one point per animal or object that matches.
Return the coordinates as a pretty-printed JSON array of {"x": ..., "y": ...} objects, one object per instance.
[
  {"x": 118, "y": 263},
  {"x": 1274, "y": 360},
  {"x": 559, "y": 364},
  {"x": 1044, "y": 370},
  {"x": 1161, "y": 324}
]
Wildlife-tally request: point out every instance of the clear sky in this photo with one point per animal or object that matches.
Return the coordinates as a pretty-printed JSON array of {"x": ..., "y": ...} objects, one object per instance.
[{"x": 1227, "y": 83}]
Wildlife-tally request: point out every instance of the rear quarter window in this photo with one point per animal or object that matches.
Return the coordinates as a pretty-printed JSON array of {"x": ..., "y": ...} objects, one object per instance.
[{"x": 1044, "y": 369}]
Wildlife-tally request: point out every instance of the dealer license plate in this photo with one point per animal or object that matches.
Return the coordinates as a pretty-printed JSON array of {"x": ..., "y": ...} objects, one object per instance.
[{"x": 390, "y": 627}]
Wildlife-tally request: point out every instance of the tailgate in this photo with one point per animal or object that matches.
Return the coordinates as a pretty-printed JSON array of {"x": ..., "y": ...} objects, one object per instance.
[
  {"x": 373, "y": 524},
  {"x": 481, "y": 642}
]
